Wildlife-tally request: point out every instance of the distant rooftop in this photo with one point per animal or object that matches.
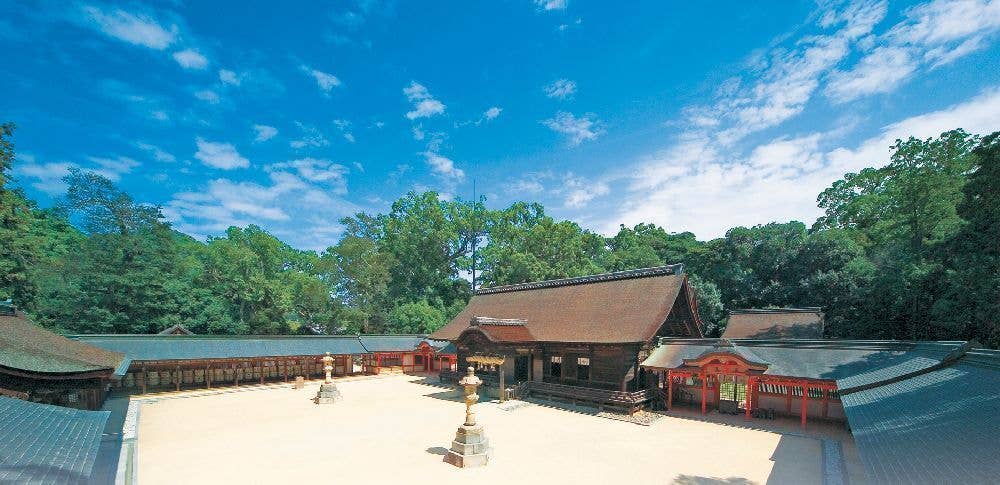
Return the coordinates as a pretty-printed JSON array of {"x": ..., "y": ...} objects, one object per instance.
[
  {"x": 674, "y": 269},
  {"x": 769, "y": 323}
]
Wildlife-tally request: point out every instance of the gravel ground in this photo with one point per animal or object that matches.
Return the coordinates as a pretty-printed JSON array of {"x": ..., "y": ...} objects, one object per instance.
[{"x": 395, "y": 428}]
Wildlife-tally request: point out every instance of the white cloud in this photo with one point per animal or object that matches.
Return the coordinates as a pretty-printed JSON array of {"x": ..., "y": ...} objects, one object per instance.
[
  {"x": 444, "y": 167},
  {"x": 311, "y": 137},
  {"x": 418, "y": 132},
  {"x": 264, "y": 132},
  {"x": 324, "y": 80},
  {"x": 424, "y": 105},
  {"x": 551, "y": 4},
  {"x": 578, "y": 191},
  {"x": 576, "y": 130},
  {"x": 344, "y": 126},
  {"x": 219, "y": 155},
  {"x": 158, "y": 153},
  {"x": 879, "y": 72},
  {"x": 329, "y": 173},
  {"x": 932, "y": 34},
  {"x": 47, "y": 176},
  {"x": 298, "y": 211},
  {"x": 492, "y": 113},
  {"x": 575, "y": 191},
  {"x": 208, "y": 96},
  {"x": 138, "y": 29},
  {"x": 230, "y": 77},
  {"x": 693, "y": 186},
  {"x": 112, "y": 168},
  {"x": 786, "y": 78},
  {"x": 560, "y": 88},
  {"x": 191, "y": 59}
]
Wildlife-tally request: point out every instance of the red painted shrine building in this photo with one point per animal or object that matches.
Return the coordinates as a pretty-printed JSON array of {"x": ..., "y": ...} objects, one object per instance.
[{"x": 803, "y": 379}]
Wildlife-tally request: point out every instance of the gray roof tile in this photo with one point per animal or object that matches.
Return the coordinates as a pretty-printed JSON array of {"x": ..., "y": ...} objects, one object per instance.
[
  {"x": 47, "y": 444},
  {"x": 936, "y": 427}
]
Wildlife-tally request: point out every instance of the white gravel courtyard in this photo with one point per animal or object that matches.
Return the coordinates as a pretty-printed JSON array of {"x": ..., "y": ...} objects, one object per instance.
[{"x": 394, "y": 429}]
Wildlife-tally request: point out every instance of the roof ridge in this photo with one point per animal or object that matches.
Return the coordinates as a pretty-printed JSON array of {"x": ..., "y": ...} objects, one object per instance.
[
  {"x": 752, "y": 311},
  {"x": 670, "y": 269}
]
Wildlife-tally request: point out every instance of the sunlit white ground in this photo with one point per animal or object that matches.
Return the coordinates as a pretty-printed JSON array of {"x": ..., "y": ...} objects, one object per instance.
[{"x": 395, "y": 429}]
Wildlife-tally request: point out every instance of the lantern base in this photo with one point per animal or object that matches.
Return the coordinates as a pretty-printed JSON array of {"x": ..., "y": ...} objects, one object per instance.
[
  {"x": 471, "y": 448},
  {"x": 328, "y": 394}
]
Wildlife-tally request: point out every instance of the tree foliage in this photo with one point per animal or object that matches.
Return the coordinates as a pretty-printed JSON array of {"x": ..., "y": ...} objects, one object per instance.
[{"x": 907, "y": 250}]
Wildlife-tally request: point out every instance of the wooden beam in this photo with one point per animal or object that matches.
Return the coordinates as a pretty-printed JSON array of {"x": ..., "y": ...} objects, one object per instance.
[
  {"x": 704, "y": 392},
  {"x": 805, "y": 395},
  {"x": 670, "y": 389}
]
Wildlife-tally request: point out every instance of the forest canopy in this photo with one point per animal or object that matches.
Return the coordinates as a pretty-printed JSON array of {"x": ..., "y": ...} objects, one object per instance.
[{"x": 908, "y": 250}]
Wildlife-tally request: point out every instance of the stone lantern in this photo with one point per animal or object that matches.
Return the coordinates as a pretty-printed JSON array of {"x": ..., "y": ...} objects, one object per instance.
[
  {"x": 328, "y": 392},
  {"x": 470, "y": 447}
]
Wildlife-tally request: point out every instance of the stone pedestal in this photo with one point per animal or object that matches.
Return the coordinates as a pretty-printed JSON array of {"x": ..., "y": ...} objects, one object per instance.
[
  {"x": 470, "y": 448},
  {"x": 328, "y": 394}
]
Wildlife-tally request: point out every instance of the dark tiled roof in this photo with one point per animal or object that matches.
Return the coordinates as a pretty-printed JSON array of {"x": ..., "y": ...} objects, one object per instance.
[
  {"x": 181, "y": 347},
  {"x": 47, "y": 444},
  {"x": 391, "y": 343},
  {"x": 504, "y": 333},
  {"x": 25, "y": 346},
  {"x": 937, "y": 427},
  {"x": 176, "y": 330},
  {"x": 849, "y": 360},
  {"x": 674, "y": 269},
  {"x": 791, "y": 323},
  {"x": 441, "y": 346},
  {"x": 619, "y": 307}
]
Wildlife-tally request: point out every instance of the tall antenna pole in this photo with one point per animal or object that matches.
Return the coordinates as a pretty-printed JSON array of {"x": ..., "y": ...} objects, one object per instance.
[{"x": 475, "y": 233}]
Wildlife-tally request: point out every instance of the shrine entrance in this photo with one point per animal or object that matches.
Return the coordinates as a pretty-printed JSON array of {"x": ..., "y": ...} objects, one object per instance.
[
  {"x": 732, "y": 393},
  {"x": 522, "y": 367}
]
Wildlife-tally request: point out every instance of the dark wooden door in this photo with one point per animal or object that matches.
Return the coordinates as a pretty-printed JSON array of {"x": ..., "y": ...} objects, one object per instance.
[{"x": 522, "y": 367}]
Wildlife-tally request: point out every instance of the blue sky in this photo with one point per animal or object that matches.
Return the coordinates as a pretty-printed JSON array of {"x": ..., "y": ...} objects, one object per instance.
[{"x": 696, "y": 116}]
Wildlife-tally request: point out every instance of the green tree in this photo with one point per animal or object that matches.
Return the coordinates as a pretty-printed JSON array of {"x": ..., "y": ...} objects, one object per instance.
[
  {"x": 419, "y": 317},
  {"x": 527, "y": 245}
]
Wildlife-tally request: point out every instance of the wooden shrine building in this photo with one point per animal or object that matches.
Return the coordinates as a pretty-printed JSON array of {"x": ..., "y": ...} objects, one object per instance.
[
  {"x": 803, "y": 379},
  {"x": 176, "y": 361},
  {"x": 573, "y": 337},
  {"x": 40, "y": 366}
]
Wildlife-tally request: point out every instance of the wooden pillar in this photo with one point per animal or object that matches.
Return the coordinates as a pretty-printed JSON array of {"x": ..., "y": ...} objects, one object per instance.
[
  {"x": 704, "y": 392},
  {"x": 236, "y": 375},
  {"x": 805, "y": 395},
  {"x": 670, "y": 389},
  {"x": 286, "y": 370},
  {"x": 788, "y": 399},
  {"x": 826, "y": 403},
  {"x": 177, "y": 378},
  {"x": 261, "y": 371},
  {"x": 145, "y": 377},
  {"x": 208, "y": 376},
  {"x": 502, "y": 387},
  {"x": 750, "y": 386}
]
